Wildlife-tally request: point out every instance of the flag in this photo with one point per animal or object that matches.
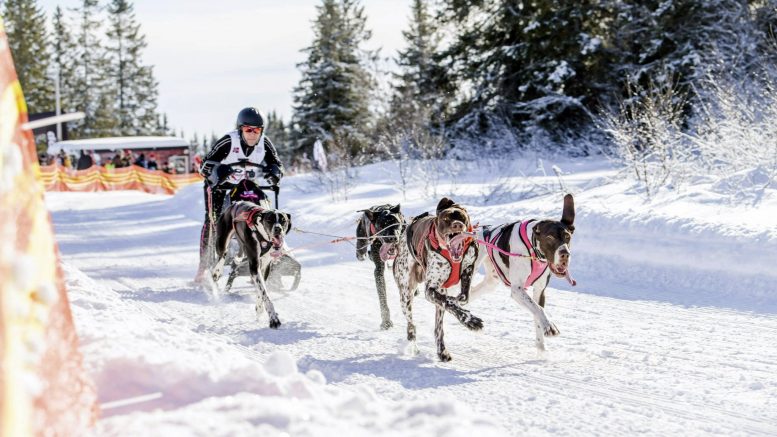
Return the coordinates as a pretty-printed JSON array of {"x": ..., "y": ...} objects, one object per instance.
[{"x": 319, "y": 155}]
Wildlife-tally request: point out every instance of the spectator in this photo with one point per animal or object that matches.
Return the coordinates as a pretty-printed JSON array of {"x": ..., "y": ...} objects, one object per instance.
[
  {"x": 109, "y": 165},
  {"x": 96, "y": 158},
  {"x": 141, "y": 161},
  {"x": 166, "y": 168},
  {"x": 61, "y": 157},
  {"x": 68, "y": 161},
  {"x": 151, "y": 164},
  {"x": 84, "y": 161},
  {"x": 117, "y": 160},
  {"x": 126, "y": 158}
]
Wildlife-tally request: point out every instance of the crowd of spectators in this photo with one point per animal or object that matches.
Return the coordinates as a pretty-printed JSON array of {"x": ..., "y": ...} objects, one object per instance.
[{"x": 122, "y": 158}]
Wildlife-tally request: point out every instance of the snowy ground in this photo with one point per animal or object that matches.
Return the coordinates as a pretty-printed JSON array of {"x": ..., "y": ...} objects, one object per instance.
[{"x": 671, "y": 330}]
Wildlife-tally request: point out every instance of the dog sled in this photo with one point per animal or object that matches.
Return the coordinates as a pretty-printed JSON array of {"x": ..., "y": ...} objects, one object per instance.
[{"x": 247, "y": 183}]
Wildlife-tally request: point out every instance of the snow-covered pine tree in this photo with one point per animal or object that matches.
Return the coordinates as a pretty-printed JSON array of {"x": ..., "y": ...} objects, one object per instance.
[
  {"x": 332, "y": 99},
  {"x": 63, "y": 59},
  {"x": 92, "y": 95},
  {"x": 133, "y": 83},
  {"x": 688, "y": 39},
  {"x": 277, "y": 131},
  {"x": 25, "y": 25},
  {"x": 418, "y": 98},
  {"x": 541, "y": 63}
]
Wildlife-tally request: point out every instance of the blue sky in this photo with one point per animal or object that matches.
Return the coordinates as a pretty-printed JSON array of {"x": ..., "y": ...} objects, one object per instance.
[{"x": 213, "y": 58}]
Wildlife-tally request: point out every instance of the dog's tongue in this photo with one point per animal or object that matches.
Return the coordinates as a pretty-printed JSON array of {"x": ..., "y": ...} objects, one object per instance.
[
  {"x": 386, "y": 253},
  {"x": 456, "y": 246},
  {"x": 569, "y": 278}
]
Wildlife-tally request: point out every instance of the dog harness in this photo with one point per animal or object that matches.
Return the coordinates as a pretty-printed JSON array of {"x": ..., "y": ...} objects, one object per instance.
[
  {"x": 454, "y": 277},
  {"x": 538, "y": 267},
  {"x": 248, "y": 216}
]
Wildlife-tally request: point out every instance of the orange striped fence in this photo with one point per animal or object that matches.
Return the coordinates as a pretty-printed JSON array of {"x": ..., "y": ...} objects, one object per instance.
[
  {"x": 96, "y": 178},
  {"x": 44, "y": 389}
]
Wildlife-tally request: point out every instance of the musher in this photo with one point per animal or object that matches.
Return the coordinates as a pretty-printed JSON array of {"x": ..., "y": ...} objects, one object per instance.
[{"x": 247, "y": 143}]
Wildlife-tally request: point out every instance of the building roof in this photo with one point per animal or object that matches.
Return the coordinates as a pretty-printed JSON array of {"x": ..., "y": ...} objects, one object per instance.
[{"x": 118, "y": 143}]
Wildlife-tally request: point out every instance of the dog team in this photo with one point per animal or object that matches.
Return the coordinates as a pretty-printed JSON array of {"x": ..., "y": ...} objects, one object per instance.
[{"x": 440, "y": 251}]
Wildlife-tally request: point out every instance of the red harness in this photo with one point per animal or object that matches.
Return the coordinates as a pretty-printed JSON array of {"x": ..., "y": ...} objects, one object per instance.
[
  {"x": 455, "y": 276},
  {"x": 248, "y": 217}
]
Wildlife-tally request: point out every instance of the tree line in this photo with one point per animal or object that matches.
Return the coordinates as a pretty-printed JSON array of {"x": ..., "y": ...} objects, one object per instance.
[
  {"x": 528, "y": 71},
  {"x": 95, "y": 52},
  {"x": 474, "y": 75}
]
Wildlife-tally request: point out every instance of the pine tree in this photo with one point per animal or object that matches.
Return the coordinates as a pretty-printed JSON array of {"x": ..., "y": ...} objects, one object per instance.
[
  {"x": 133, "y": 83},
  {"x": 278, "y": 132},
  {"x": 63, "y": 60},
  {"x": 332, "y": 99},
  {"x": 25, "y": 25},
  {"x": 91, "y": 93},
  {"x": 418, "y": 97},
  {"x": 541, "y": 63}
]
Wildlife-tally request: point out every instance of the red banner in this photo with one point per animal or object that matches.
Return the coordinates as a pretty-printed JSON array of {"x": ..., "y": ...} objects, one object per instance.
[{"x": 44, "y": 389}]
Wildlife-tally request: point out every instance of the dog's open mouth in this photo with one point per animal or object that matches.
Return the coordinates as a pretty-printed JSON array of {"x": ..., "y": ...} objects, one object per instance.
[
  {"x": 558, "y": 269},
  {"x": 388, "y": 252},
  {"x": 277, "y": 246},
  {"x": 455, "y": 242}
]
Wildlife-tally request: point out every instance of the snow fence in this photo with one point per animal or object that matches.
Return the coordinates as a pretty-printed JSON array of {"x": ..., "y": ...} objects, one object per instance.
[{"x": 96, "y": 178}]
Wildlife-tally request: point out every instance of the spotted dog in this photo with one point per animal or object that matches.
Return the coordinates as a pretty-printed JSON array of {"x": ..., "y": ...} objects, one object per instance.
[
  {"x": 435, "y": 249},
  {"x": 378, "y": 232},
  {"x": 543, "y": 247},
  {"x": 260, "y": 232}
]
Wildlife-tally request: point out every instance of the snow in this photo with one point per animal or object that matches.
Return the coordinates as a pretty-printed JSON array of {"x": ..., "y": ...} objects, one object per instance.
[{"x": 671, "y": 329}]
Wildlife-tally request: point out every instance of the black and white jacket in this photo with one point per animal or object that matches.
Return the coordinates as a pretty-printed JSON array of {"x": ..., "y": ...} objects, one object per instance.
[{"x": 221, "y": 149}]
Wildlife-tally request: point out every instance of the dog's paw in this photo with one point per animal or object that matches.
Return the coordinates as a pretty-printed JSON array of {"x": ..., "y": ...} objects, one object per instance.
[
  {"x": 386, "y": 324},
  {"x": 411, "y": 333},
  {"x": 473, "y": 323},
  {"x": 550, "y": 329},
  {"x": 275, "y": 322},
  {"x": 463, "y": 298},
  {"x": 360, "y": 256},
  {"x": 445, "y": 356}
]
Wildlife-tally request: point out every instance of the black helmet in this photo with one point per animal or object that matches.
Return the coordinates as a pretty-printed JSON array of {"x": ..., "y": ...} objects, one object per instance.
[{"x": 249, "y": 117}]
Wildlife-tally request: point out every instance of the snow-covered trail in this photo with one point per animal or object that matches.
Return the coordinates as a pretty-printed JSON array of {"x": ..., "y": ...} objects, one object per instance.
[{"x": 619, "y": 367}]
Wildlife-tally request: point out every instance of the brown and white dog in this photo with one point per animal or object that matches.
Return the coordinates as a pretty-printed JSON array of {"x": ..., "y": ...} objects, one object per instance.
[
  {"x": 522, "y": 255},
  {"x": 261, "y": 233},
  {"x": 436, "y": 249}
]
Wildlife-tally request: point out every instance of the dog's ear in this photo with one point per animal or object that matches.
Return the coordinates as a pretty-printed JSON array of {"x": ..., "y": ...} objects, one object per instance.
[
  {"x": 288, "y": 223},
  {"x": 568, "y": 214},
  {"x": 395, "y": 209},
  {"x": 444, "y": 204}
]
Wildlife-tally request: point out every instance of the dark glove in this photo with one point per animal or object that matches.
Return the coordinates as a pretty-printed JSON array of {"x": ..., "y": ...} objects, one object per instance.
[
  {"x": 223, "y": 172},
  {"x": 273, "y": 176}
]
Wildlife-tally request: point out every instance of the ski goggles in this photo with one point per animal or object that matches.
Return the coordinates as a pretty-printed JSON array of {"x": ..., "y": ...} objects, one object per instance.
[{"x": 251, "y": 129}]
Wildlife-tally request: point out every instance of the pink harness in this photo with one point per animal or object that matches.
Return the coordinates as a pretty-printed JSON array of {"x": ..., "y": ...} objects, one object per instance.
[{"x": 537, "y": 267}]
